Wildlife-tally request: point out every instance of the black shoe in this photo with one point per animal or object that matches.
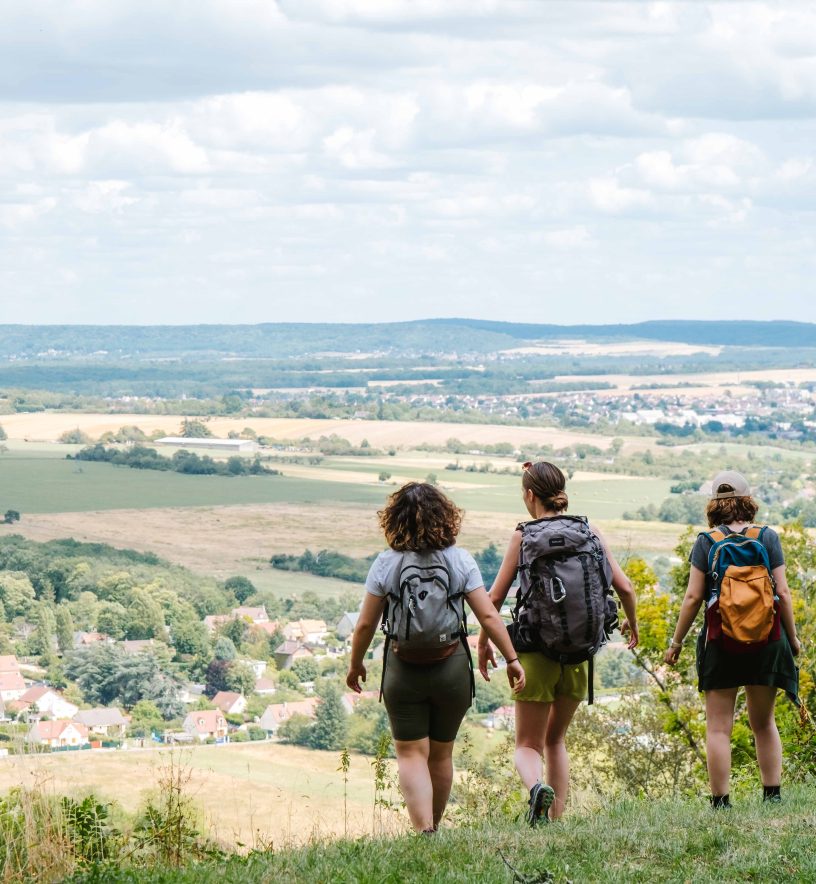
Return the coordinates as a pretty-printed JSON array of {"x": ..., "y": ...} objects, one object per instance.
[{"x": 541, "y": 798}]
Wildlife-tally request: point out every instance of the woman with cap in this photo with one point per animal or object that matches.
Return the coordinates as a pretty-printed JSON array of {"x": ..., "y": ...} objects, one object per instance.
[
  {"x": 546, "y": 705},
  {"x": 723, "y": 670}
]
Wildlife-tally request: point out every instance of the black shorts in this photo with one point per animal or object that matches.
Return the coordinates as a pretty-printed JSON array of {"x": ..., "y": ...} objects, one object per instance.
[{"x": 427, "y": 700}]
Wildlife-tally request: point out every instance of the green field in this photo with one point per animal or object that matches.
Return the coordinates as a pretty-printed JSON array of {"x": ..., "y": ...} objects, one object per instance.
[{"x": 43, "y": 481}]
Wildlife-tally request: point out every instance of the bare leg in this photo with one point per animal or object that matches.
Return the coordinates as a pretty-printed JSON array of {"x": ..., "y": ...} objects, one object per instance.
[
  {"x": 719, "y": 724},
  {"x": 531, "y": 724},
  {"x": 415, "y": 781},
  {"x": 555, "y": 751},
  {"x": 761, "y": 703},
  {"x": 440, "y": 765}
]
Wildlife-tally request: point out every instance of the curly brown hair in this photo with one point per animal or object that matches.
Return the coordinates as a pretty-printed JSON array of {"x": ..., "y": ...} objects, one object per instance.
[
  {"x": 727, "y": 510},
  {"x": 418, "y": 517},
  {"x": 547, "y": 482}
]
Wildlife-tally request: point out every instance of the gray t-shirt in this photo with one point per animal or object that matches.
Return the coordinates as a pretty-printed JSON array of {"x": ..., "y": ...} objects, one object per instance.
[
  {"x": 770, "y": 540},
  {"x": 464, "y": 570}
]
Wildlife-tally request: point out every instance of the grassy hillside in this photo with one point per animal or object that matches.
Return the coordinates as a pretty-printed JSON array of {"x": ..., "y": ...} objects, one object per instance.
[{"x": 629, "y": 841}]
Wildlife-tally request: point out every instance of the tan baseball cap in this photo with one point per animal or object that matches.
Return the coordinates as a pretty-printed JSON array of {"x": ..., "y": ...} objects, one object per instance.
[{"x": 736, "y": 480}]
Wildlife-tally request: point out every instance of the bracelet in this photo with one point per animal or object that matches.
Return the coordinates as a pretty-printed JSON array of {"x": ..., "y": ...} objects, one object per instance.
[
  {"x": 508, "y": 662},
  {"x": 674, "y": 644}
]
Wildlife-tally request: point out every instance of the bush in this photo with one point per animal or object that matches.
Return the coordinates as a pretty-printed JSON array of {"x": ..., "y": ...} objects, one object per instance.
[{"x": 256, "y": 733}]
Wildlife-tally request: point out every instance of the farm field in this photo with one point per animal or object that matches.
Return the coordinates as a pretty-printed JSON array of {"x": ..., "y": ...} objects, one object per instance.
[
  {"x": 244, "y": 791},
  {"x": 48, "y": 426}
]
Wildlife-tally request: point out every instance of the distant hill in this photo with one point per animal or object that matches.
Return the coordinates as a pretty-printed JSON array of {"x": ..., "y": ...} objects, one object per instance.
[{"x": 285, "y": 340}]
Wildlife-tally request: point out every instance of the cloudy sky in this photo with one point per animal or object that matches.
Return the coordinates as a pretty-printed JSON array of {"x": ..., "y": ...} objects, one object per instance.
[{"x": 354, "y": 160}]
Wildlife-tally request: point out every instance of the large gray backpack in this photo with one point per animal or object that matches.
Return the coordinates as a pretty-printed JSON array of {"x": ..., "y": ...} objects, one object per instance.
[
  {"x": 564, "y": 606},
  {"x": 425, "y": 610}
]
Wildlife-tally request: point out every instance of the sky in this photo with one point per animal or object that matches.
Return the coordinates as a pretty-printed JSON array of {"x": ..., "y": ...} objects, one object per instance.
[{"x": 378, "y": 160}]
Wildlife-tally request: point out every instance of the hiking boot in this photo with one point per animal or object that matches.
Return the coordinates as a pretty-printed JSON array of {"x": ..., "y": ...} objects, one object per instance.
[{"x": 541, "y": 798}]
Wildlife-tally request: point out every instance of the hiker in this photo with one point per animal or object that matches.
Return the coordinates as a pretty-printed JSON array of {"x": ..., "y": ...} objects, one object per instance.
[
  {"x": 748, "y": 637},
  {"x": 564, "y": 614},
  {"x": 417, "y": 588}
]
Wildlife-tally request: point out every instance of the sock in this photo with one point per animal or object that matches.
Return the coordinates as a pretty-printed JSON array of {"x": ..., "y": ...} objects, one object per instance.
[
  {"x": 769, "y": 792},
  {"x": 720, "y": 801}
]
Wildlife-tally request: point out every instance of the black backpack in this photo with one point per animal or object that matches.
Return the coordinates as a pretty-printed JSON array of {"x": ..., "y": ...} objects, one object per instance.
[{"x": 564, "y": 606}]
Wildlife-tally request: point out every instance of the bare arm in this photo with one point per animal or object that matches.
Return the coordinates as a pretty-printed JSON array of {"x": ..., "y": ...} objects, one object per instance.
[
  {"x": 491, "y": 622},
  {"x": 498, "y": 593},
  {"x": 695, "y": 593},
  {"x": 786, "y": 606},
  {"x": 367, "y": 622},
  {"x": 624, "y": 590}
]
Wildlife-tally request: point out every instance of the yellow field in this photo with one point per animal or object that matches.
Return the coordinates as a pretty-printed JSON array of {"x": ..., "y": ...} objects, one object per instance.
[
  {"x": 48, "y": 426},
  {"x": 277, "y": 792}
]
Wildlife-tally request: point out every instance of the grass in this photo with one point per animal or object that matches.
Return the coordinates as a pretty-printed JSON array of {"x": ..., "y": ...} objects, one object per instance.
[
  {"x": 626, "y": 841},
  {"x": 35, "y": 483}
]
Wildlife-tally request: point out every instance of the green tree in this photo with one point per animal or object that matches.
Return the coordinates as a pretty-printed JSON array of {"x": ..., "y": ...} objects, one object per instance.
[
  {"x": 145, "y": 618},
  {"x": 42, "y": 640},
  {"x": 11, "y": 517},
  {"x": 296, "y": 730},
  {"x": 225, "y": 649},
  {"x": 112, "y": 620},
  {"x": 241, "y": 588},
  {"x": 241, "y": 678},
  {"x": 16, "y": 593},
  {"x": 193, "y": 429},
  {"x": 306, "y": 669},
  {"x": 331, "y": 720},
  {"x": 216, "y": 677},
  {"x": 64, "y": 628}
]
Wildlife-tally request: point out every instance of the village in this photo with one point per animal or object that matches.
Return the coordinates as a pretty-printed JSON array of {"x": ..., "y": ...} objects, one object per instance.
[{"x": 54, "y": 720}]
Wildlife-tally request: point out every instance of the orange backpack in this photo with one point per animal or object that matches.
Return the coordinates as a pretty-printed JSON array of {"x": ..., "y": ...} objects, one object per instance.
[{"x": 742, "y": 609}]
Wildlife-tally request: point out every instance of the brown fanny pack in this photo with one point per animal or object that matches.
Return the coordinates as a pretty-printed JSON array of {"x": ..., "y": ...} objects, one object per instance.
[{"x": 424, "y": 656}]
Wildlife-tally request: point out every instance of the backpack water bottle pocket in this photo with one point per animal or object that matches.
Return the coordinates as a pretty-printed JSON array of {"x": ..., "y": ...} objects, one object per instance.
[{"x": 746, "y": 604}]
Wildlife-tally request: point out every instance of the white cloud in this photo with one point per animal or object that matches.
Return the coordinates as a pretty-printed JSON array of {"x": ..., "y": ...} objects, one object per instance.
[{"x": 393, "y": 158}]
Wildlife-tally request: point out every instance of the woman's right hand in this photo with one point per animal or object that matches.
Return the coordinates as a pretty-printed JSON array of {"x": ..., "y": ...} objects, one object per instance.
[
  {"x": 672, "y": 655},
  {"x": 486, "y": 655}
]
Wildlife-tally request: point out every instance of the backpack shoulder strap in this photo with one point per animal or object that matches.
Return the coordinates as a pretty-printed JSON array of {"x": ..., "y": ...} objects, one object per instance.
[
  {"x": 715, "y": 535},
  {"x": 755, "y": 532}
]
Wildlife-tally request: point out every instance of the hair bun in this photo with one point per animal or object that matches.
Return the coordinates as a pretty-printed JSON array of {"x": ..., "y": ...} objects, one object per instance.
[{"x": 558, "y": 502}]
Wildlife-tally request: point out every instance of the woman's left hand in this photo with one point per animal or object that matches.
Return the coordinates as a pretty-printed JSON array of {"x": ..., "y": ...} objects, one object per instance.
[
  {"x": 516, "y": 677},
  {"x": 353, "y": 677},
  {"x": 672, "y": 655}
]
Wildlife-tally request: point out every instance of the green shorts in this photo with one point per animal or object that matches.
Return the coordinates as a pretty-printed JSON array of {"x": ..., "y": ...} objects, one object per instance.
[
  {"x": 427, "y": 701},
  {"x": 547, "y": 679}
]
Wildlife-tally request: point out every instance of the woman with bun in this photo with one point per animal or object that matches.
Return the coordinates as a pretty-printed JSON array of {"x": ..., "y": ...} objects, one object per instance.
[
  {"x": 723, "y": 667},
  {"x": 547, "y": 703}
]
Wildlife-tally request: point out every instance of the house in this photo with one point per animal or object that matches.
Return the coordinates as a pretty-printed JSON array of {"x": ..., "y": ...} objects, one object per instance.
[
  {"x": 12, "y": 687},
  {"x": 287, "y": 652},
  {"x": 9, "y": 663},
  {"x": 276, "y": 714},
  {"x": 57, "y": 734},
  {"x": 265, "y": 687},
  {"x": 229, "y": 702},
  {"x": 308, "y": 631},
  {"x": 254, "y": 615},
  {"x": 84, "y": 639},
  {"x": 106, "y": 721},
  {"x": 351, "y": 699},
  {"x": 45, "y": 701},
  {"x": 209, "y": 442},
  {"x": 206, "y": 724},
  {"x": 213, "y": 621},
  {"x": 503, "y": 718},
  {"x": 190, "y": 692},
  {"x": 269, "y": 628},
  {"x": 258, "y": 667},
  {"x": 345, "y": 625}
]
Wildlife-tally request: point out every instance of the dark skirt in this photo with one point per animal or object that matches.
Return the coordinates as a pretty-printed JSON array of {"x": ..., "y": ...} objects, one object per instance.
[{"x": 774, "y": 666}]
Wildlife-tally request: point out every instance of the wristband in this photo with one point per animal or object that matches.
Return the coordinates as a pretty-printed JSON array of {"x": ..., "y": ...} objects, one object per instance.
[
  {"x": 508, "y": 662},
  {"x": 678, "y": 645}
]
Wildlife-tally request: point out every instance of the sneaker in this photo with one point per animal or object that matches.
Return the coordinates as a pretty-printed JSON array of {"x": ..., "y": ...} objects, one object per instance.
[
  {"x": 772, "y": 799},
  {"x": 541, "y": 798}
]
